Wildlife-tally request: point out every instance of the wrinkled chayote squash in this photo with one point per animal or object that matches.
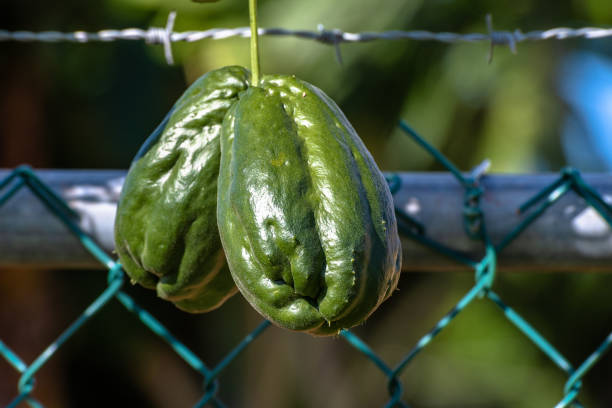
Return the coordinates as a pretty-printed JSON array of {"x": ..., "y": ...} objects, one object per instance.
[
  {"x": 166, "y": 226},
  {"x": 304, "y": 214}
]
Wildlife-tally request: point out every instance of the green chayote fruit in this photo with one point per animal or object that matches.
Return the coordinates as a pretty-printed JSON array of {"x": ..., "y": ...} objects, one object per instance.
[
  {"x": 304, "y": 214},
  {"x": 166, "y": 227}
]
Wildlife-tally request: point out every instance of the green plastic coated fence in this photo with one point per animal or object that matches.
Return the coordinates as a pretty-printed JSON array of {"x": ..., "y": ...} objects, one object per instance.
[{"x": 570, "y": 180}]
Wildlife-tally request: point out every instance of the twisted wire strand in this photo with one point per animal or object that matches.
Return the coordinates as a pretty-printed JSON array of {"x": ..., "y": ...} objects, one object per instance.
[
  {"x": 154, "y": 35},
  {"x": 166, "y": 36}
]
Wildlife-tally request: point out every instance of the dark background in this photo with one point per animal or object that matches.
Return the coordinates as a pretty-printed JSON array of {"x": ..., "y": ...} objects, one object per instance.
[{"x": 91, "y": 106}]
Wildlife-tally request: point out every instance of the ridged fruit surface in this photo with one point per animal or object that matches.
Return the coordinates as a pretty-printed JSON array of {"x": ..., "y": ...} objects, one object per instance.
[
  {"x": 166, "y": 232},
  {"x": 305, "y": 216}
]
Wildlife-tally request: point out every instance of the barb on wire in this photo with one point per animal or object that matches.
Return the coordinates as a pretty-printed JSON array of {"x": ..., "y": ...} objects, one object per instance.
[
  {"x": 499, "y": 38},
  {"x": 166, "y": 35},
  {"x": 163, "y": 36}
]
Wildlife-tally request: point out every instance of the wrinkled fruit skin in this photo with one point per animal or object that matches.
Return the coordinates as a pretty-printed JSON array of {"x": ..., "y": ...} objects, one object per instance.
[
  {"x": 166, "y": 226},
  {"x": 305, "y": 215}
]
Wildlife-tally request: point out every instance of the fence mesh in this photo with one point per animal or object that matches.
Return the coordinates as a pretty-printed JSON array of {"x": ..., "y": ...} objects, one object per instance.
[{"x": 570, "y": 180}]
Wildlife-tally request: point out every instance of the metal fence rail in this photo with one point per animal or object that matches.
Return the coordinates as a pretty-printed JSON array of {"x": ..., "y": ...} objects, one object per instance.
[
  {"x": 570, "y": 236},
  {"x": 476, "y": 224}
]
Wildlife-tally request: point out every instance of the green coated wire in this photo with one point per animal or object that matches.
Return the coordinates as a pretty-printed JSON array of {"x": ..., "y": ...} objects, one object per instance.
[
  {"x": 20, "y": 366},
  {"x": 472, "y": 213},
  {"x": 156, "y": 327},
  {"x": 62, "y": 211},
  {"x": 16, "y": 187},
  {"x": 97, "y": 304},
  {"x": 542, "y": 194},
  {"x": 209, "y": 396},
  {"x": 531, "y": 333},
  {"x": 53, "y": 202},
  {"x": 438, "y": 247},
  {"x": 434, "y": 152},
  {"x": 604, "y": 209},
  {"x": 552, "y": 195},
  {"x": 588, "y": 190},
  {"x": 570, "y": 180},
  {"x": 115, "y": 277},
  {"x": 65, "y": 214},
  {"x": 414, "y": 229},
  {"x": 360, "y": 345},
  {"x": 568, "y": 399},
  {"x": 485, "y": 269},
  {"x": 32, "y": 402},
  {"x": 47, "y": 195},
  {"x": 588, "y": 363},
  {"x": 442, "y": 323},
  {"x": 12, "y": 358},
  {"x": 229, "y": 357},
  {"x": 573, "y": 384},
  {"x": 395, "y": 387}
]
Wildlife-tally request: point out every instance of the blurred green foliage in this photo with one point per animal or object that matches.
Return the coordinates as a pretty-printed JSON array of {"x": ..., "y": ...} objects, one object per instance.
[{"x": 91, "y": 106}]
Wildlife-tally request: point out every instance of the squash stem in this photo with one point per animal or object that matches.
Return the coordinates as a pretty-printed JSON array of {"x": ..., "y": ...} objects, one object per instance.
[{"x": 254, "y": 43}]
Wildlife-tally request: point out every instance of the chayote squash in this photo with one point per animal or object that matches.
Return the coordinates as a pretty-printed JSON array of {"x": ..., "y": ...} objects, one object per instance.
[
  {"x": 304, "y": 214},
  {"x": 166, "y": 227}
]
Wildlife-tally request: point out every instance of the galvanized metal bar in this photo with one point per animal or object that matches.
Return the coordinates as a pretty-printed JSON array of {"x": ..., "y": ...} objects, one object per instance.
[{"x": 569, "y": 236}]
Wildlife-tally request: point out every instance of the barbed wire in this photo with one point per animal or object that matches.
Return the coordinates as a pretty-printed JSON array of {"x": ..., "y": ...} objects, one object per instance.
[{"x": 166, "y": 36}]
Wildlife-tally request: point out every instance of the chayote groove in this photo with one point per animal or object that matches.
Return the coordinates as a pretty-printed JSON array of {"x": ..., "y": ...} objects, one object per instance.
[
  {"x": 165, "y": 230},
  {"x": 304, "y": 214}
]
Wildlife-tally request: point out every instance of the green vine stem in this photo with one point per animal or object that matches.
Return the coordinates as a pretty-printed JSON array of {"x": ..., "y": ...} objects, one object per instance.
[{"x": 254, "y": 42}]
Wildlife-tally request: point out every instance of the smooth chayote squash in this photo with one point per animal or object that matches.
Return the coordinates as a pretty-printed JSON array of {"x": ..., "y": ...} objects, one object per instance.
[
  {"x": 166, "y": 226},
  {"x": 304, "y": 214}
]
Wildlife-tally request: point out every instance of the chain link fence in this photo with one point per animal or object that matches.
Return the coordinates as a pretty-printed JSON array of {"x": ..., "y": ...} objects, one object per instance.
[{"x": 569, "y": 182}]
